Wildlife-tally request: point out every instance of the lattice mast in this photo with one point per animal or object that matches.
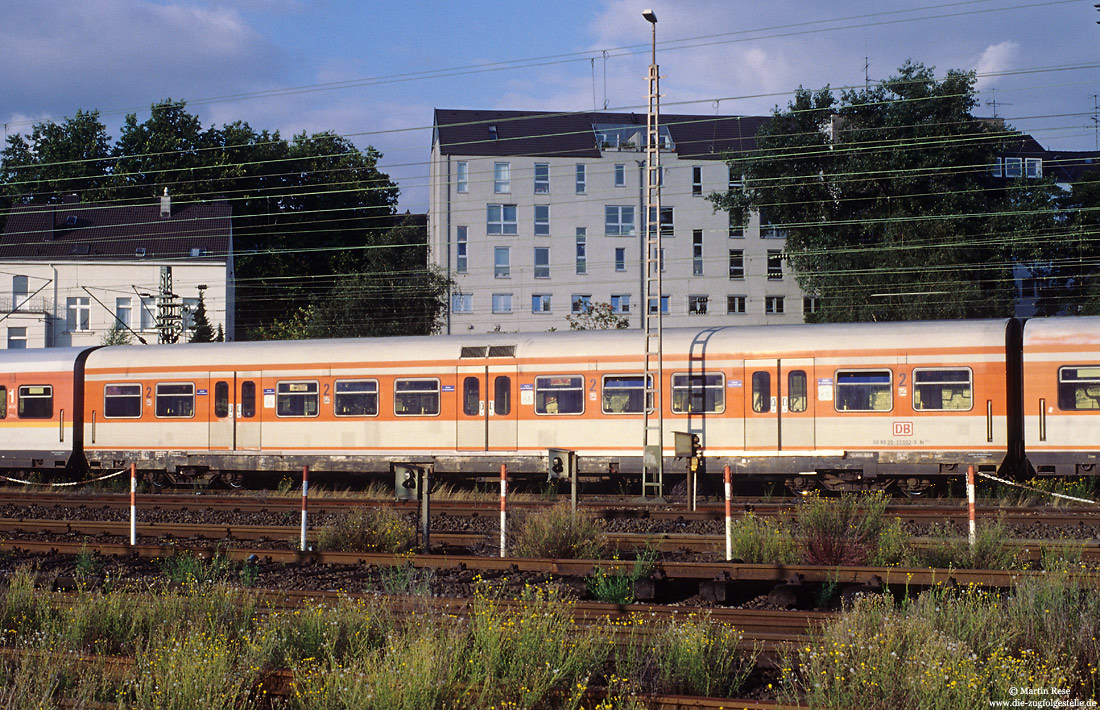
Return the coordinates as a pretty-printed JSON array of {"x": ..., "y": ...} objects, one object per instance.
[{"x": 653, "y": 433}]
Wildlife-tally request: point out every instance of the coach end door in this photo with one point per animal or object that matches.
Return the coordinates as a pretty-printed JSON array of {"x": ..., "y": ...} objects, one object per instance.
[{"x": 234, "y": 416}]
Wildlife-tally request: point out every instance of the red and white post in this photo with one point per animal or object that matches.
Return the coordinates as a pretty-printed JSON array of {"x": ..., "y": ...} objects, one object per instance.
[
  {"x": 503, "y": 508},
  {"x": 133, "y": 504},
  {"x": 970, "y": 505},
  {"x": 729, "y": 515},
  {"x": 305, "y": 498}
]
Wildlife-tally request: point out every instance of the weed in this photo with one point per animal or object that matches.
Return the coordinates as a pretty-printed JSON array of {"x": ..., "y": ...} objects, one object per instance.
[
  {"x": 86, "y": 562},
  {"x": 841, "y": 531},
  {"x": 558, "y": 532},
  {"x": 619, "y": 588},
  {"x": 189, "y": 569},
  {"x": 367, "y": 530},
  {"x": 762, "y": 541},
  {"x": 405, "y": 578},
  {"x": 700, "y": 657}
]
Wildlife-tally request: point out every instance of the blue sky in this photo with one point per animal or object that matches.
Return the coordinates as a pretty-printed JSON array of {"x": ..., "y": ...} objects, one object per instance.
[{"x": 373, "y": 71}]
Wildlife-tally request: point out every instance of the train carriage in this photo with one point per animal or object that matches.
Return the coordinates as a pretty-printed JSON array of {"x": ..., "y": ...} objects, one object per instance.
[
  {"x": 42, "y": 400},
  {"x": 1061, "y": 407}
]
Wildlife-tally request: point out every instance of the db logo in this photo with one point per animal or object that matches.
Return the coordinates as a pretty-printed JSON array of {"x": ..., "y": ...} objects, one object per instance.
[{"x": 903, "y": 428}]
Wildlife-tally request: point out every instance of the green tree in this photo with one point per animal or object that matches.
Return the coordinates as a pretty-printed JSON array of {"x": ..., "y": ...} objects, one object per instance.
[
  {"x": 597, "y": 316},
  {"x": 1066, "y": 278},
  {"x": 201, "y": 331},
  {"x": 887, "y": 202},
  {"x": 117, "y": 335}
]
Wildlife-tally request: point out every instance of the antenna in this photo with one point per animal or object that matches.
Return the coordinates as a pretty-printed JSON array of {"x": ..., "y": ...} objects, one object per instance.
[
  {"x": 604, "y": 79},
  {"x": 592, "y": 63},
  {"x": 866, "y": 72},
  {"x": 993, "y": 101},
  {"x": 1096, "y": 120}
]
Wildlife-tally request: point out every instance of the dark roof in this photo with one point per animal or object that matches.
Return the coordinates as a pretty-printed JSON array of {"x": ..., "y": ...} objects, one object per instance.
[
  {"x": 1069, "y": 166},
  {"x": 82, "y": 231},
  {"x": 570, "y": 135}
]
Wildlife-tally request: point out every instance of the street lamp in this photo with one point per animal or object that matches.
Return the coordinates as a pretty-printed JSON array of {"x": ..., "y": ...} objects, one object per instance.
[{"x": 653, "y": 434}]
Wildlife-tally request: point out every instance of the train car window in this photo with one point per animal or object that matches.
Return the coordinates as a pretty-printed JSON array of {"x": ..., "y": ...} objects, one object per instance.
[
  {"x": 559, "y": 394},
  {"x": 416, "y": 397},
  {"x": 797, "y": 398},
  {"x": 698, "y": 392},
  {"x": 248, "y": 399},
  {"x": 122, "y": 401},
  {"x": 35, "y": 401},
  {"x": 175, "y": 400},
  {"x": 863, "y": 391},
  {"x": 471, "y": 396},
  {"x": 221, "y": 399},
  {"x": 3, "y": 402},
  {"x": 502, "y": 395},
  {"x": 761, "y": 392},
  {"x": 943, "y": 389},
  {"x": 356, "y": 398},
  {"x": 1078, "y": 388},
  {"x": 624, "y": 394},
  {"x": 296, "y": 399}
]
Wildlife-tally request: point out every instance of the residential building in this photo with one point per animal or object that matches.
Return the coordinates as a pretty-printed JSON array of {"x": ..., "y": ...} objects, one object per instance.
[
  {"x": 71, "y": 271},
  {"x": 535, "y": 215}
]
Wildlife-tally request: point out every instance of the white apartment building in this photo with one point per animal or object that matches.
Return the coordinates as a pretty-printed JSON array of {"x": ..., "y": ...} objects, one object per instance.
[
  {"x": 71, "y": 271},
  {"x": 536, "y": 215}
]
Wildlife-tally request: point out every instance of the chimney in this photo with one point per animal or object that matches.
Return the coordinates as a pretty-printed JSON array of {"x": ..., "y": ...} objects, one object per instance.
[{"x": 165, "y": 205}]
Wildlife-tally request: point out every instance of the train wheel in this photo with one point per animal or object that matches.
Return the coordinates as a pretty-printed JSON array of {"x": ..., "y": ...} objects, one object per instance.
[
  {"x": 159, "y": 479},
  {"x": 914, "y": 487},
  {"x": 802, "y": 485},
  {"x": 234, "y": 480}
]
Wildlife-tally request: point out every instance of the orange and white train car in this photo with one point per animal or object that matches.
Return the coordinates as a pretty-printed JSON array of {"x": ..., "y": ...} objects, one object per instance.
[
  {"x": 845, "y": 402},
  {"x": 41, "y": 394},
  {"x": 1061, "y": 410}
]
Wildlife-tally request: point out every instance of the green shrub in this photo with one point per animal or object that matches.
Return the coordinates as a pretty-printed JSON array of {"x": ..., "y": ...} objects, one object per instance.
[
  {"x": 762, "y": 541},
  {"x": 841, "y": 531},
  {"x": 618, "y": 588},
  {"x": 700, "y": 657},
  {"x": 558, "y": 532},
  {"x": 381, "y": 530}
]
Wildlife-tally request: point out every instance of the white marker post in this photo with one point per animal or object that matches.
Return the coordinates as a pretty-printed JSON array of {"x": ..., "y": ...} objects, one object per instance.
[
  {"x": 970, "y": 505},
  {"x": 133, "y": 504},
  {"x": 729, "y": 522},
  {"x": 503, "y": 507},
  {"x": 305, "y": 497}
]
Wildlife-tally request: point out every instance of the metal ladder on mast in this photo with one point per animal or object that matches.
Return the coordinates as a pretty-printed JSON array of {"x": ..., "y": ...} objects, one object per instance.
[{"x": 653, "y": 466}]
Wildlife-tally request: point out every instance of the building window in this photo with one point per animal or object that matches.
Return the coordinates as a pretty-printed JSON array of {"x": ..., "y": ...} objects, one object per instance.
[
  {"x": 1033, "y": 168},
  {"x": 542, "y": 178},
  {"x": 995, "y": 169},
  {"x": 668, "y": 221},
  {"x": 768, "y": 230},
  {"x": 620, "y": 175},
  {"x": 502, "y": 262},
  {"x": 775, "y": 264},
  {"x": 618, "y": 220},
  {"x": 416, "y": 397},
  {"x": 697, "y": 305},
  {"x": 79, "y": 312},
  {"x": 1014, "y": 167},
  {"x": 462, "y": 244},
  {"x": 620, "y": 258},
  {"x": 735, "y": 305},
  {"x": 187, "y": 316},
  {"x": 148, "y": 312},
  {"x": 582, "y": 178},
  {"x": 542, "y": 262},
  {"x": 664, "y": 305},
  {"x": 493, "y": 133},
  {"x": 737, "y": 224},
  {"x": 540, "y": 302},
  {"x": 17, "y": 338},
  {"x": 502, "y": 177},
  {"x": 19, "y": 290},
  {"x": 660, "y": 258},
  {"x": 501, "y": 219},
  {"x": 737, "y": 264},
  {"x": 620, "y": 303},
  {"x": 176, "y": 400},
  {"x": 582, "y": 251},
  {"x": 124, "y": 311},
  {"x": 809, "y": 304},
  {"x": 462, "y": 303},
  {"x": 696, "y": 179},
  {"x": 542, "y": 220},
  {"x": 462, "y": 176},
  {"x": 696, "y": 252},
  {"x": 502, "y": 303},
  {"x": 581, "y": 302},
  {"x": 773, "y": 304}
]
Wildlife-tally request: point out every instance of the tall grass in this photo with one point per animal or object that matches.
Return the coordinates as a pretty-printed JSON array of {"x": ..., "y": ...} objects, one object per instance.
[
  {"x": 763, "y": 540},
  {"x": 558, "y": 532},
  {"x": 841, "y": 531},
  {"x": 381, "y": 530}
]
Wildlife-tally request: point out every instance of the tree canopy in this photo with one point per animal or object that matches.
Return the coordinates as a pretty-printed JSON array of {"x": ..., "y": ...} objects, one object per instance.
[
  {"x": 309, "y": 213},
  {"x": 887, "y": 201}
]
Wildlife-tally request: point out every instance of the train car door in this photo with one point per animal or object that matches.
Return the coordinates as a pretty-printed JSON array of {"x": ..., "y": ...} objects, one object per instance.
[
  {"x": 487, "y": 416},
  {"x": 234, "y": 424},
  {"x": 503, "y": 414},
  {"x": 796, "y": 404},
  {"x": 779, "y": 409}
]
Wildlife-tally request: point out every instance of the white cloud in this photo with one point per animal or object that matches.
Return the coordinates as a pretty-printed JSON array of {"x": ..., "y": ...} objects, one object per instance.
[{"x": 996, "y": 58}]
